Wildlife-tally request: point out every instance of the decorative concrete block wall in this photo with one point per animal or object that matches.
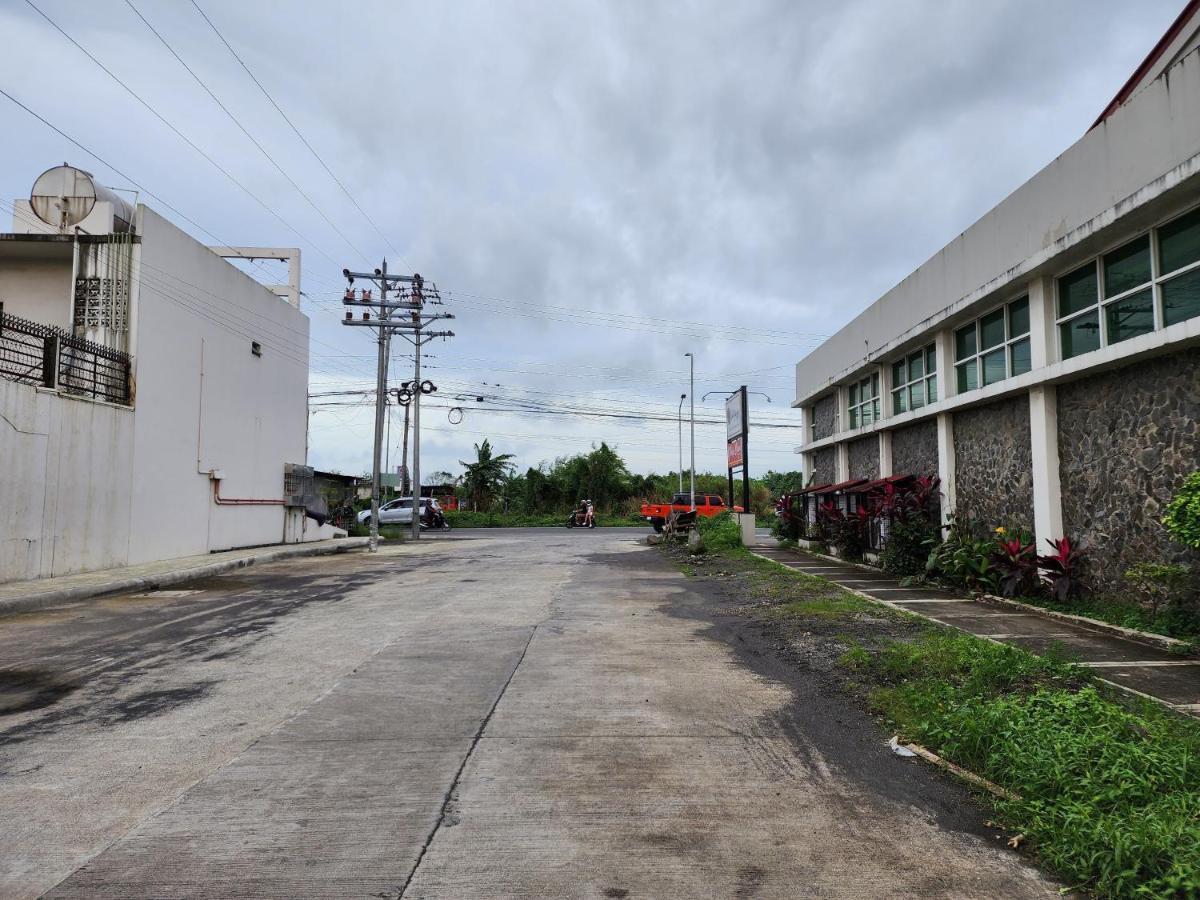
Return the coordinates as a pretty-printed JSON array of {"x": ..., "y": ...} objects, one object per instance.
[
  {"x": 993, "y": 464},
  {"x": 825, "y": 416},
  {"x": 825, "y": 466},
  {"x": 1126, "y": 441},
  {"x": 915, "y": 449},
  {"x": 864, "y": 457}
]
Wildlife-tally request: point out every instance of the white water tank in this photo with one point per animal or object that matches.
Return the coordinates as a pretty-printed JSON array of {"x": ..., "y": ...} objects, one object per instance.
[{"x": 64, "y": 196}]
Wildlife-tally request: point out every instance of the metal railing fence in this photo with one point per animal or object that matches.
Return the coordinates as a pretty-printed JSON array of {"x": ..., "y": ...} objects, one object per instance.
[{"x": 47, "y": 356}]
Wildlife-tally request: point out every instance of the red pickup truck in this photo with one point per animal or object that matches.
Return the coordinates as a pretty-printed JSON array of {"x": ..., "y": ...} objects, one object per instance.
[{"x": 706, "y": 505}]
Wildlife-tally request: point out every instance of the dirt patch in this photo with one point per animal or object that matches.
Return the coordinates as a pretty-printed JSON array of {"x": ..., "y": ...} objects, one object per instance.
[
  {"x": 795, "y": 629},
  {"x": 154, "y": 703},
  {"x": 22, "y": 690}
]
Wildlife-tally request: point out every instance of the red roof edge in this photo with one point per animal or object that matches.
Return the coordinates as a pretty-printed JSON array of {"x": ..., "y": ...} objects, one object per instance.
[{"x": 1139, "y": 73}]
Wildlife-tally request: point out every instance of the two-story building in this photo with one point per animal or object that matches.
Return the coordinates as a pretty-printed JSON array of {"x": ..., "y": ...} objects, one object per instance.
[
  {"x": 153, "y": 396},
  {"x": 1046, "y": 362}
]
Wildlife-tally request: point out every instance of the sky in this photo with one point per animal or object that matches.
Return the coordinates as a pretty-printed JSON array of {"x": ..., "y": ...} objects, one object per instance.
[{"x": 597, "y": 188}]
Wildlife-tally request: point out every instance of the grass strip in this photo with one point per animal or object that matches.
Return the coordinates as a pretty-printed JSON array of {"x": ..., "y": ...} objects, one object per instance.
[{"x": 1106, "y": 789}]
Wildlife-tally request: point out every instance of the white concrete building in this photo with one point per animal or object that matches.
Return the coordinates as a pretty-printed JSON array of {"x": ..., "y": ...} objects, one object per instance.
[
  {"x": 152, "y": 395},
  {"x": 1045, "y": 362}
]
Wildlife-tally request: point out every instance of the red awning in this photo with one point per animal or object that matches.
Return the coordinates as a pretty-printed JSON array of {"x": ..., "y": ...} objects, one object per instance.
[
  {"x": 841, "y": 486},
  {"x": 880, "y": 482}
]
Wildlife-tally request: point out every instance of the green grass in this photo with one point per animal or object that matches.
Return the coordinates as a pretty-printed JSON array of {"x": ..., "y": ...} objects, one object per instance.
[
  {"x": 827, "y": 608},
  {"x": 1108, "y": 787},
  {"x": 1109, "y": 791}
]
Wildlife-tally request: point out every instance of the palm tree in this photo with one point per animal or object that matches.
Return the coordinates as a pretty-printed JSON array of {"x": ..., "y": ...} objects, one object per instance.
[{"x": 484, "y": 476}]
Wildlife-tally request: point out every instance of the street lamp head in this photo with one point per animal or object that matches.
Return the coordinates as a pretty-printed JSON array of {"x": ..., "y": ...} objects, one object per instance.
[{"x": 683, "y": 396}]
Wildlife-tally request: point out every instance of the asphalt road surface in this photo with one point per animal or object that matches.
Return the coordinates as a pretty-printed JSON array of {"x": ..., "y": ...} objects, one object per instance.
[{"x": 541, "y": 713}]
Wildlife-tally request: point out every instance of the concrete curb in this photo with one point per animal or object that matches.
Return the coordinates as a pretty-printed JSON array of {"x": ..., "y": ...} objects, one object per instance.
[
  {"x": 1161, "y": 641},
  {"x": 59, "y": 596},
  {"x": 1177, "y": 708}
]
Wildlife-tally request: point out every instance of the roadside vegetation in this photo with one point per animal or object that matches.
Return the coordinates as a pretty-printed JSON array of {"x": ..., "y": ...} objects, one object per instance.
[
  {"x": 1103, "y": 791},
  {"x": 1160, "y": 595},
  {"x": 492, "y": 492}
]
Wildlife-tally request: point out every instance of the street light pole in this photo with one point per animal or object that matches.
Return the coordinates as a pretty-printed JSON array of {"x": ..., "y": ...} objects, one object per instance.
[
  {"x": 679, "y": 418},
  {"x": 692, "y": 406}
]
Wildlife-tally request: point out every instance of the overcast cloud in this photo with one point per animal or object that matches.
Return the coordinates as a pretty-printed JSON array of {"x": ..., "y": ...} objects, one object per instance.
[{"x": 767, "y": 168}]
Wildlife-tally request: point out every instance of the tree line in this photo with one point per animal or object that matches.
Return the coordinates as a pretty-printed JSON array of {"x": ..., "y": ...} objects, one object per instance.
[{"x": 492, "y": 483}]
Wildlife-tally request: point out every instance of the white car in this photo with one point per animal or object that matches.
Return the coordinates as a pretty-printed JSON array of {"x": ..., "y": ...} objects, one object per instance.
[{"x": 398, "y": 511}]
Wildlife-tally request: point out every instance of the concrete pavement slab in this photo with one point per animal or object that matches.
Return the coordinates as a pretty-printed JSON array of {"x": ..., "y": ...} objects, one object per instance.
[{"x": 504, "y": 715}]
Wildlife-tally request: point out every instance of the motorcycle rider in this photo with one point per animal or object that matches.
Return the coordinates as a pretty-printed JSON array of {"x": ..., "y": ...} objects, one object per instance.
[{"x": 589, "y": 514}]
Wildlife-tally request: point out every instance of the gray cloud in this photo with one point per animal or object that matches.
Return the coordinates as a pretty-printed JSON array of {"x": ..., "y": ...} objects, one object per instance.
[{"x": 770, "y": 165}]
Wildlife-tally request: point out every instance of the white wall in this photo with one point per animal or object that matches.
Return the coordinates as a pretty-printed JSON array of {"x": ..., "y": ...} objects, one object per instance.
[
  {"x": 64, "y": 483},
  {"x": 205, "y": 402},
  {"x": 35, "y": 281},
  {"x": 1110, "y": 172}
]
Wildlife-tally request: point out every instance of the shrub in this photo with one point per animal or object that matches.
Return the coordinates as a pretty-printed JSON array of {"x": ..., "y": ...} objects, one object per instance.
[
  {"x": 963, "y": 559},
  {"x": 848, "y": 532},
  {"x": 1183, "y": 513},
  {"x": 1160, "y": 583},
  {"x": 1015, "y": 563},
  {"x": 907, "y": 547},
  {"x": 720, "y": 532},
  {"x": 1062, "y": 570}
]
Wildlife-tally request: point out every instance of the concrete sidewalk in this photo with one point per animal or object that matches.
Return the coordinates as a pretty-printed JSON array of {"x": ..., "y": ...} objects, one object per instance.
[
  {"x": 20, "y": 596},
  {"x": 1133, "y": 666}
]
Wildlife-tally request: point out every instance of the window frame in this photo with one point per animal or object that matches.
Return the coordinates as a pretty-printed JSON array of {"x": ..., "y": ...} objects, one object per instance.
[
  {"x": 1158, "y": 278},
  {"x": 1006, "y": 345},
  {"x": 927, "y": 353},
  {"x": 854, "y": 410}
]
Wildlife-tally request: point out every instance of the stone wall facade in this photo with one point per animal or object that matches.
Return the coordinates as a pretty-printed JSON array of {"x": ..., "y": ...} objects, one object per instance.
[
  {"x": 993, "y": 464},
  {"x": 824, "y": 413},
  {"x": 915, "y": 449},
  {"x": 1126, "y": 441},
  {"x": 864, "y": 457},
  {"x": 825, "y": 466}
]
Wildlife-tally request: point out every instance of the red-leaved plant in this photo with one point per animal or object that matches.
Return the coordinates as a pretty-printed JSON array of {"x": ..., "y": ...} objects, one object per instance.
[
  {"x": 1015, "y": 563},
  {"x": 1061, "y": 570}
]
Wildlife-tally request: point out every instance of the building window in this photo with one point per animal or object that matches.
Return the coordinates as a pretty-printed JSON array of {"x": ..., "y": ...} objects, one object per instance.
[
  {"x": 993, "y": 347},
  {"x": 1179, "y": 268},
  {"x": 1150, "y": 282},
  {"x": 864, "y": 401},
  {"x": 914, "y": 381}
]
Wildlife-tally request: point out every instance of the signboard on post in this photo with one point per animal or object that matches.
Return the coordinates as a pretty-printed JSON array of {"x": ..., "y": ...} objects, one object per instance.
[
  {"x": 735, "y": 420},
  {"x": 735, "y": 453},
  {"x": 736, "y": 431}
]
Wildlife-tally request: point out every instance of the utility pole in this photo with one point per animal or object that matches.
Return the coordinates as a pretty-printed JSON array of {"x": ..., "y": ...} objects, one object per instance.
[
  {"x": 692, "y": 404},
  {"x": 404, "y": 477},
  {"x": 679, "y": 419},
  {"x": 386, "y": 325},
  {"x": 416, "y": 408}
]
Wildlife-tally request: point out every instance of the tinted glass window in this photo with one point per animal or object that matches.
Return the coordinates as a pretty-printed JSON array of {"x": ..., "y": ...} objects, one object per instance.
[
  {"x": 1021, "y": 361},
  {"x": 964, "y": 342},
  {"x": 1179, "y": 243},
  {"x": 1130, "y": 317},
  {"x": 1127, "y": 267},
  {"x": 1077, "y": 291},
  {"x": 1080, "y": 335},
  {"x": 991, "y": 329},
  {"x": 1181, "y": 297},
  {"x": 1018, "y": 318}
]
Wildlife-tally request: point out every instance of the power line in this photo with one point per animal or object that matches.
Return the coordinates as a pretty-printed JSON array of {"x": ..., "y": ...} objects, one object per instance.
[
  {"x": 243, "y": 129},
  {"x": 178, "y": 133},
  {"x": 298, "y": 134}
]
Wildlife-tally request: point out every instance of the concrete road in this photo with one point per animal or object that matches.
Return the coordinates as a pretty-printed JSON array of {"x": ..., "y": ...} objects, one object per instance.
[{"x": 544, "y": 713}]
